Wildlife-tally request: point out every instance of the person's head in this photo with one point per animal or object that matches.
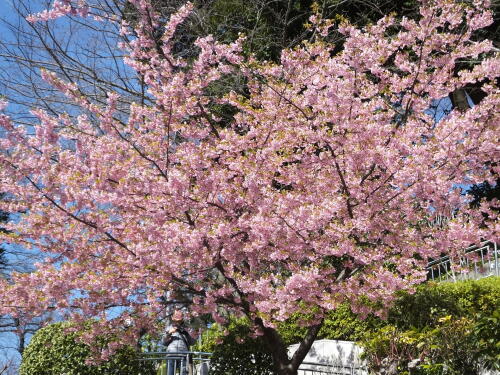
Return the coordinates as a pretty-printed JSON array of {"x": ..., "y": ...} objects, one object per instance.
[{"x": 177, "y": 317}]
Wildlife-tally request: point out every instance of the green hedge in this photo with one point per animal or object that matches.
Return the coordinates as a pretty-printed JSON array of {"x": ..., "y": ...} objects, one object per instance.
[
  {"x": 339, "y": 324},
  {"x": 459, "y": 299},
  {"x": 53, "y": 350},
  {"x": 444, "y": 328}
]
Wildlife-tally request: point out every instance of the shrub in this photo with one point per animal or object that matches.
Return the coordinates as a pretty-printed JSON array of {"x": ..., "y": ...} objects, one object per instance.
[
  {"x": 431, "y": 300},
  {"x": 447, "y": 348},
  {"x": 54, "y": 350},
  {"x": 445, "y": 328},
  {"x": 339, "y": 324},
  {"x": 485, "y": 334},
  {"x": 235, "y": 351}
]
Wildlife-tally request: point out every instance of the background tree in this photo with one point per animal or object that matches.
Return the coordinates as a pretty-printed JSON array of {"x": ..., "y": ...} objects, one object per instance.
[
  {"x": 6, "y": 362},
  {"x": 3, "y": 258},
  {"x": 4, "y": 262},
  {"x": 15, "y": 330},
  {"x": 311, "y": 198},
  {"x": 94, "y": 61}
]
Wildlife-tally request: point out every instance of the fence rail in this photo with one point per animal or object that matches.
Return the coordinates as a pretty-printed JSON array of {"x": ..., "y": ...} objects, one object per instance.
[
  {"x": 313, "y": 368},
  {"x": 198, "y": 363},
  {"x": 178, "y": 363},
  {"x": 476, "y": 262}
]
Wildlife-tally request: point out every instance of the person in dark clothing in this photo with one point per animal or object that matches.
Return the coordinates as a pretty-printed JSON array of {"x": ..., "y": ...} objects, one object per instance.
[{"x": 177, "y": 341}]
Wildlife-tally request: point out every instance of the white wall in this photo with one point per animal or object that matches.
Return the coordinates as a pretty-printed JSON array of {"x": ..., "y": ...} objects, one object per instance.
[{"x": 344, "y": 354}]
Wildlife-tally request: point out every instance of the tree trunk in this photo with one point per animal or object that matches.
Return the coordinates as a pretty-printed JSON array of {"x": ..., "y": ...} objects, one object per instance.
[
  {"x": 286, "y": 371},
  {"x": 21, "y": 335},
  {"x": 459, "y": 99},
  {"x": 279, "y": 351}
]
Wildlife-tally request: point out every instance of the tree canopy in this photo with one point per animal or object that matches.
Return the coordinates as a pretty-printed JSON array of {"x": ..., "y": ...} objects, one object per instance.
[{"x": 313, "y": 195}]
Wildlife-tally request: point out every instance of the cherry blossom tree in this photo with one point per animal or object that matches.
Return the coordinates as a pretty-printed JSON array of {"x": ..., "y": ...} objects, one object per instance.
[{"x": 317, "y": 193}]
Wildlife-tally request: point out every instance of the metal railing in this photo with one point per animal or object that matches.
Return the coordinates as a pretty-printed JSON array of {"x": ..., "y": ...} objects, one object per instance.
[
  {"x": 313, "y": 368},
  {"x": 198, "y": 363},
  {"x": 178, "y": 363},
  {"x": 476, "y": 262}
]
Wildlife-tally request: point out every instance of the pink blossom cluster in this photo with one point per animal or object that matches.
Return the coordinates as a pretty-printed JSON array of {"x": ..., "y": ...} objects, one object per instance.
[
  {"x": 313, "y": 196},
  {"x": 61, "y": 8}
]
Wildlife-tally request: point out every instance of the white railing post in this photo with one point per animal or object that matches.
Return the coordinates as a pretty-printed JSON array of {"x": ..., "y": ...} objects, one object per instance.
[
  {"x": 495, "y": 252},
  {"x": 481, "y": 263}
]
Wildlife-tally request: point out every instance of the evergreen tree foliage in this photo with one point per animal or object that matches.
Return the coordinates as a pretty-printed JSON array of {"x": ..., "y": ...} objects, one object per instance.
[{"x": 56, "y": 349}]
